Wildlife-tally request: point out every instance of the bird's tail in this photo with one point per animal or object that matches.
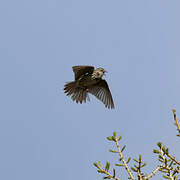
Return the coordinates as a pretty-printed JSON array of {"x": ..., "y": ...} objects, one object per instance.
[{"x": 77, "y": 94}]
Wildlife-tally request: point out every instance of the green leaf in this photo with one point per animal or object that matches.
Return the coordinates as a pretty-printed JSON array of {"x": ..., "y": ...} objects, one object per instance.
[
  {"x": 113, "y": 151},
  {"x": 156, "y": 151},
  {"x": 174, "y": 172},
  {"x": 133, "y": 169},
  {"x": 167, "y": 151},
  {"x": 159, "y": 144},
  {"x": 163, "y": 149},
  {"x": 136, "y": 160},
  {"x": 128, "y": 160},
  {"x": 166, "y": 177},
  {"x": 96, "y": 165},
  {"x": 143, "y": 165},
  {"x": 114, "y": 134},
  {"x": 119, "y": 138},
  {"x": 135, "y": 166},
  {"x": 110, "y": 138},
  {"x": 114, "y": 173},
  {"x": 170, "y": 164},
  {"x": 123, "y": 148},
  {"x": 119, "y": 165},
  {"x": 99, "y": 163},
  {"x": 164, "y": 171},
  {"x": 107, "y": 166},
  {"x": 100, "y": 171},
  {"x": 139, "y": 158},
  {"x": 107, "y": 177},
  {"x": 160, "y": 157}
]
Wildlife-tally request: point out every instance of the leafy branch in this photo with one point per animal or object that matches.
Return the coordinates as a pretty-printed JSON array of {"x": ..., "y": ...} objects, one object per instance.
[
  {"x": 105, "y": 171},
  {"x": 118, "y": 151},
  {"x": 169, "y": 166}
]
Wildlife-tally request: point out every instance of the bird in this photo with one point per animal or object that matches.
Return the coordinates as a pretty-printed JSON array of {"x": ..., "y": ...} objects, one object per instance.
[{"x": 89, "y": 80}]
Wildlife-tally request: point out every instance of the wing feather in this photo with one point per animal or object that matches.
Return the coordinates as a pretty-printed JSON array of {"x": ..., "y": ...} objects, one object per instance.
[
  {"x": 80, "y": 70},
  {"x": 102, "y": 92}
]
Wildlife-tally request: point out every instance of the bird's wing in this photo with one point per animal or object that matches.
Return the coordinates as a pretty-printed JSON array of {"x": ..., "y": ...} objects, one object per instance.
[
  {"x": 80, "y": 70},
  {"x": 102, "y": 92}
]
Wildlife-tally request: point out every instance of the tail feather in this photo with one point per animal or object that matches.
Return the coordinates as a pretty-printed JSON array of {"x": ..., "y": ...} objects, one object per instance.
[{"x": 76, "y": 93}]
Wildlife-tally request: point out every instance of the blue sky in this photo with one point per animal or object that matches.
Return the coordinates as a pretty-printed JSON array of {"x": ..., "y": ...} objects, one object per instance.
[{"x": 43, "y": 134}]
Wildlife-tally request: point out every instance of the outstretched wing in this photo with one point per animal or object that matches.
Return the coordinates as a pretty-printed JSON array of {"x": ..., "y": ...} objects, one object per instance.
[
  {"x": 80, "y": 70},
  {"x": 102, "y": 92}
]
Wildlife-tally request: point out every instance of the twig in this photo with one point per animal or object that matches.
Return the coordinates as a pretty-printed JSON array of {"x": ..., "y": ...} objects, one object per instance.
[
  {"x": 153, "y": 173},
  {"x": 108, "y": 174},
  {"x": 166, "y": 166},
  {"x": 173, "y": 158},
  {"x": 139, "y": 174},
  {"x": 122, "y": 158},
  {"x": 139, "y": 169},
  {"x": 176, "y": 121}
]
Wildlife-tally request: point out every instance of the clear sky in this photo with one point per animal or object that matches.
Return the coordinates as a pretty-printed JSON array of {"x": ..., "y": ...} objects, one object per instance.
[{"x": 43, "y": 134}]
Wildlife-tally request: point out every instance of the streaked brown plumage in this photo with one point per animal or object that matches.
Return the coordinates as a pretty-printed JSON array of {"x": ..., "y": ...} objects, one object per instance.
[{"x": 88, "y": 80}]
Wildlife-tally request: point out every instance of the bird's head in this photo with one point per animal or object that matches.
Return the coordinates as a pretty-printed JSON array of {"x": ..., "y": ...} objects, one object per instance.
[
  {"x": 101, "y": 69},
  {"x": 99, "y": 72}
]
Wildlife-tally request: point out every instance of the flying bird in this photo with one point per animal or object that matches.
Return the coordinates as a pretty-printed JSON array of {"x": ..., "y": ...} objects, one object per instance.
[{"x": 89, "y": 80}]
